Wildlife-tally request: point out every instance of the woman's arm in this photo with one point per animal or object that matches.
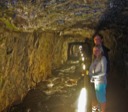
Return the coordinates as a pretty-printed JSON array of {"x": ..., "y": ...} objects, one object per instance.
[{"x": 91, "y": 70}]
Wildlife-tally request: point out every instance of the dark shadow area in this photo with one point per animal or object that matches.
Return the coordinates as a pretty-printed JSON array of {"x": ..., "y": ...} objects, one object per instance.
[{"x": 115, "y": 16}]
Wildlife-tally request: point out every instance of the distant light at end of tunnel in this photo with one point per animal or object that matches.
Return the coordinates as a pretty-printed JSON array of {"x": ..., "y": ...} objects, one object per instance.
[{"x": 80, "y": 47}]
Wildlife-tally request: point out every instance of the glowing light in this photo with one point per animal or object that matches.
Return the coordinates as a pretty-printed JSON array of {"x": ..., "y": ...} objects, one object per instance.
[
  {"x": 80, "y": 47},
  {"x": 82, "y": 101},
  {"x": 93, "y": 71},
  {"x": 82, "y": 58},
  {"x": 84, "y": 66},
  {"x": 82, "y": 54}
]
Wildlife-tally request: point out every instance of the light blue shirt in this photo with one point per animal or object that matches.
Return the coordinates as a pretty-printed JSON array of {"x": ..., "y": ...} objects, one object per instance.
[{"x": 98, "y": 69}]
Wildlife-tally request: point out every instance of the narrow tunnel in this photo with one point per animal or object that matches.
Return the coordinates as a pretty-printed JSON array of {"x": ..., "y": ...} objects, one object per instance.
[{"x": 46, "y": 52}]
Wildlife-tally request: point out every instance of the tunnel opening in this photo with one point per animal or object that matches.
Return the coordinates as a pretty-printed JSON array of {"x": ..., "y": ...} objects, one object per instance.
[{"x": 74, "y": 50}]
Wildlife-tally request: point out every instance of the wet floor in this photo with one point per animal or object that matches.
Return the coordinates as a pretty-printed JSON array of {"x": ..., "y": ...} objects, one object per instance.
[{"x": 62, "y": 97}]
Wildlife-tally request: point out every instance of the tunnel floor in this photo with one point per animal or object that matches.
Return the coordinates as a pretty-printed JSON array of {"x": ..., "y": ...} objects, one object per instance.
[{"x": 63, "y": 98}]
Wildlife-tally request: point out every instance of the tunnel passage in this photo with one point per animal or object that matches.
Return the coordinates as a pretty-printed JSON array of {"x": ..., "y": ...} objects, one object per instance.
[
  {"x": 67, "y": 83},
  {"x": 25, "y": 54},
  {"x": 75, "y": 49}
]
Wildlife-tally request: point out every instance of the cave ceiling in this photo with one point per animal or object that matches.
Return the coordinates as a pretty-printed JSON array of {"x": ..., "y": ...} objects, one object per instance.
[{"x": 57, "y": 15}]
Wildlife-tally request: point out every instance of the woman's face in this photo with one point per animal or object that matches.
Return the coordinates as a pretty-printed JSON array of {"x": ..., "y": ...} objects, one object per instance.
[{"x": 96, "y": 52}]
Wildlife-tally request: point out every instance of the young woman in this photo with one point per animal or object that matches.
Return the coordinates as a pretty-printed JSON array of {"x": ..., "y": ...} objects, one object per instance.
[{"x": 97, "y": 73}]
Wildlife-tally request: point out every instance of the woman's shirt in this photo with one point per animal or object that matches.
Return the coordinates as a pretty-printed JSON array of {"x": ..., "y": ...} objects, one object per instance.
[{"x": 98, "y": 69}]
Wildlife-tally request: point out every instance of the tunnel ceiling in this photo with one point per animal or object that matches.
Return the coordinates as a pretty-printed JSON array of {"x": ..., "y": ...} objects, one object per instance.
[
  {"x": 60, "y": 15},
  {"x": 28, "y": 15}
]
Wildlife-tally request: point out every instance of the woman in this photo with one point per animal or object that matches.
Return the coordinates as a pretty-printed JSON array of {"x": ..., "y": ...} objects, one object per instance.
[{"x": 97, "y": 73}]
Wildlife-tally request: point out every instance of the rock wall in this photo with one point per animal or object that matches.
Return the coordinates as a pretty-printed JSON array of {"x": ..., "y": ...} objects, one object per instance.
[{"x": 25, "y": 60}]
